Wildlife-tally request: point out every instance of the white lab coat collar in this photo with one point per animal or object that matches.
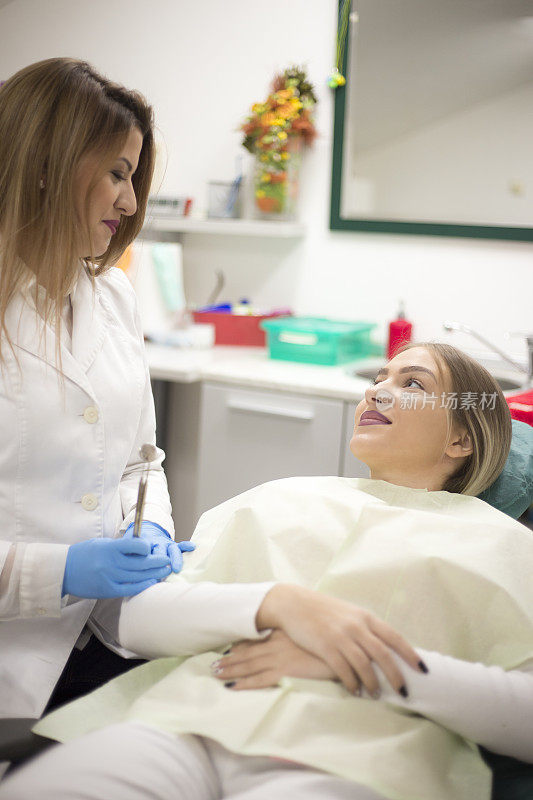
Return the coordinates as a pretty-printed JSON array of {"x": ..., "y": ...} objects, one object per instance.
[{"x": 90, "y": 321}]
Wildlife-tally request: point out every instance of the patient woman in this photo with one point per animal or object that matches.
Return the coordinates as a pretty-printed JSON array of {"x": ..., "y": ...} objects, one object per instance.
[{"x": 383, "y": 627}]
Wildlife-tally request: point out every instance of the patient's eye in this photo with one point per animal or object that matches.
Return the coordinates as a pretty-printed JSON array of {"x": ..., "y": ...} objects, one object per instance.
[
  {"x": 413, "y": 380},
  {"x": 379, "y": 378}
]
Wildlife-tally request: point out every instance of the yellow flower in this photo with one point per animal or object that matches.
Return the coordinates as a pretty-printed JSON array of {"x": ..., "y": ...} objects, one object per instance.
[
  {"x": 296, "y": 104},
  {"x": 279, "y": 121},
  {"x": 260, "y": 193},
  {"x": 282, "y": 135},
  {"x": 263, "y": 157},
  {"x": 258, "y": 108},
  {"x": 285, "y": 156},
  {"x": 265, "y": 177}
]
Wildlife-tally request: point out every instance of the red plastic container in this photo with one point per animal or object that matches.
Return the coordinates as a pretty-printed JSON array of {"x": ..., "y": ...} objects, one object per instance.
[
  {"x": 521, "y": 407},
  {"x": 235, "y": 329}
]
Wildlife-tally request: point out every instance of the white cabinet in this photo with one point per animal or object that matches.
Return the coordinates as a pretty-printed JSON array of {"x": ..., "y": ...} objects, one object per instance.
[
  {"x": 250, "y": 436},
  {"x": 222, "y": 439},
  {"x": 351, "y": 467}
]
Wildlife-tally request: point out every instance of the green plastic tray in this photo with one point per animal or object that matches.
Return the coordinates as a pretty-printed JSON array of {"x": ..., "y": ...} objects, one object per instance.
[{"x": 315, "y": 340}]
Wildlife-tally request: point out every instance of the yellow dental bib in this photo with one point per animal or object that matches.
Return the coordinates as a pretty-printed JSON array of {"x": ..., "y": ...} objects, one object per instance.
[{"x": 447, "y": 571}]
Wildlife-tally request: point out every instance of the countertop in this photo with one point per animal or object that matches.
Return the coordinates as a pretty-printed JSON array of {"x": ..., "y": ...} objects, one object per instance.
[{"x": 251, "y": 366}]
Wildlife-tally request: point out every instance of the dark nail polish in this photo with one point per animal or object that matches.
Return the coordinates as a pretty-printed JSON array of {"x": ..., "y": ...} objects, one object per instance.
[
  {"x": 403, "y": 691},
  {"x": 227, "y": 652},
  {"x": 423, "y": 667},
  {"x": 229, "y": 684}
]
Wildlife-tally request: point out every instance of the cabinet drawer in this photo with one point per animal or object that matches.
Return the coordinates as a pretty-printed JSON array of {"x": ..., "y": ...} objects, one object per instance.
[{"x": 248, "y": 437}]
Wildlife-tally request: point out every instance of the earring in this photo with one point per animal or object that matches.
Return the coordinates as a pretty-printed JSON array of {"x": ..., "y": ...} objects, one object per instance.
[{"x": 42, "y": 183}]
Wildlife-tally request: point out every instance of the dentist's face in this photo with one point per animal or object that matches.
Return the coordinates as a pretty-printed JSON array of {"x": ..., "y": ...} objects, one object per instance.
[
  {"x": 396, "y": 426},
  {"x": 113, "y": 196}
]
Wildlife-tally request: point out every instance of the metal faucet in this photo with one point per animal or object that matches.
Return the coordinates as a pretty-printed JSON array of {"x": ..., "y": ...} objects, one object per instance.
[{"x": 458, "y": 326}]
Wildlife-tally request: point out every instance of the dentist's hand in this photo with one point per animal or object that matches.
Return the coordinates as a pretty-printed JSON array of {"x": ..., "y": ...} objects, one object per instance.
[
  {"x": 105, "y": 567},
  {"x": 161, "y": 543}
]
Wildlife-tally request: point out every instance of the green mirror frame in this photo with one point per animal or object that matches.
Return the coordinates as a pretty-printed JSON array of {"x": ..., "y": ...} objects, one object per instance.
[{"x": 340, "y": 223}]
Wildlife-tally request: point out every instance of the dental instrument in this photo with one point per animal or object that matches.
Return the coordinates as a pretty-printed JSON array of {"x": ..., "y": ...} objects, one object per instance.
[{"x": 148, "y": 453}]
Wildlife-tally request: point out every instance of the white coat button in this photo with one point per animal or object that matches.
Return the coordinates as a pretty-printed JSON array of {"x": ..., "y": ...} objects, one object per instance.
[
  {"x": 90, "y": 414},
  {"x": 41, "y": 611},
  {"x": 89, "y": 502}
]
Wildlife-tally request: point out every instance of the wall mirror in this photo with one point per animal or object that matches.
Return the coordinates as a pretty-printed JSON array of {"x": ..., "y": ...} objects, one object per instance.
[{"x": 433, "y": 131}]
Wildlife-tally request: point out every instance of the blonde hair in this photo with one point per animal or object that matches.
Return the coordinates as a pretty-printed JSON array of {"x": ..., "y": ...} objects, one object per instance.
[
  {"x": 52, "y": 113},
  {"x": 489, "y": 428}
]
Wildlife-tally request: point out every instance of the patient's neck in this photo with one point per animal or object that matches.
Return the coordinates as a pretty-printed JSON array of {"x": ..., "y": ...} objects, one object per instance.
[{"x": 414, "y": 480}]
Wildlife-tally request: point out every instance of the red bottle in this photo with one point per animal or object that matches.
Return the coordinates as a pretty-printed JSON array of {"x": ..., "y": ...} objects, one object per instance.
[{"x": 400, "y": 331}]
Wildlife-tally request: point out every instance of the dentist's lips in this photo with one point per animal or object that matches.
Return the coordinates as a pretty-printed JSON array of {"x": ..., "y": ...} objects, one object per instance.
[
  {"x": 111, "y": 224},
  {"x": 373, "y": 418}
]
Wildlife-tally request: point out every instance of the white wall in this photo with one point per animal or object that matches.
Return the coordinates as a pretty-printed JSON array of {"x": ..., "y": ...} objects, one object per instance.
[{"x": 202, "y": 65}]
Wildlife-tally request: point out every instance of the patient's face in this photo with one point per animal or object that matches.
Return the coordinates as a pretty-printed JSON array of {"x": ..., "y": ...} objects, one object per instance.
[{"x": 413, "y": 434}]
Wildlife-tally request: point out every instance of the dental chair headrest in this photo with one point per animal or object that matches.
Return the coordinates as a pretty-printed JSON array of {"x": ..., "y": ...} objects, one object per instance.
[{"x": 512, "y": 491}]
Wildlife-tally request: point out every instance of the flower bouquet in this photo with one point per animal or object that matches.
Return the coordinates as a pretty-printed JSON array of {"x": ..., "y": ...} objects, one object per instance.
[{"x": 275, "y": 133}]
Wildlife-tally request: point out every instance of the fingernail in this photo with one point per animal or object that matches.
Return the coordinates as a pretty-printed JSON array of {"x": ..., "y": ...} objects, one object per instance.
[
  {"x": 227, "y": 652},
  {"x": 376, "y": 695},
  {"x": 229, "y": 684},
  {"x": 215, "y": 665},
  {"x": 403, "y": 691},
  {"x": 422, "y": 667}
]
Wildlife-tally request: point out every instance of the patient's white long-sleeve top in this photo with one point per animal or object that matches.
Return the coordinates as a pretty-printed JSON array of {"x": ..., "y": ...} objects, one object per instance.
[{"x": 487, "y": 705}]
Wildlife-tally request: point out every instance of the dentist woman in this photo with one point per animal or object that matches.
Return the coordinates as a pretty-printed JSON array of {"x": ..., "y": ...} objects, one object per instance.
[{"x": 76, "y": 163}]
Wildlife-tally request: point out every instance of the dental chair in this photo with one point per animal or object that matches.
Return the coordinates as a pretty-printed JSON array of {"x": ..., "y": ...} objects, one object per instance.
[{"x": 511, "y": 493}]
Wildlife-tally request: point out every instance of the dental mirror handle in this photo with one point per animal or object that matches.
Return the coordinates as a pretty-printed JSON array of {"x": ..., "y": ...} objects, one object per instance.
[{"x": 148, "y": 454}]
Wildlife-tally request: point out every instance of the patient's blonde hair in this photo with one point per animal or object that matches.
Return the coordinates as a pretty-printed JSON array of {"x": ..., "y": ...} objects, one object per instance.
[
  {"x": 52, "y": 113},
  {"x": 490, "y": 429}
]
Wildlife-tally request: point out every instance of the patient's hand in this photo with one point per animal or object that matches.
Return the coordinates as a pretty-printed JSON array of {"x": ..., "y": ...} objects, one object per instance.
[
  {"x": 256, "y": 665},
  {"x": 349, "y": 639}
]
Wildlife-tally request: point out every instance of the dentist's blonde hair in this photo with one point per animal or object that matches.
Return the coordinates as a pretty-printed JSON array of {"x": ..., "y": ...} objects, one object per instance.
[
  {"x": 52, "y": 113},
  {"x": 489, "y": 429}
]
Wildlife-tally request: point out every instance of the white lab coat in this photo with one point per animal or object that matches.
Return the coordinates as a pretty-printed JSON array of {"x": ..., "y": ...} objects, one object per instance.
[{"x": 69, "y": 471}]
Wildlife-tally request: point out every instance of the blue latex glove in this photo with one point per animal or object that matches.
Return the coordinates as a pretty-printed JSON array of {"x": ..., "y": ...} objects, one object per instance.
[
  {"x": 162, "y": 543},
  {"x": 112, "y": 568}
]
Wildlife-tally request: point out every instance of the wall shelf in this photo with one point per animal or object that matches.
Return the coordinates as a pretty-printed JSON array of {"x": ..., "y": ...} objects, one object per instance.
[{"x": 232, "y": 227}]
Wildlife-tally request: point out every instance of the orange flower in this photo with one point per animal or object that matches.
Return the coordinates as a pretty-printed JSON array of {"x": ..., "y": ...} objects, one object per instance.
[
  {"x": 285, "y": 111},
  {"x": 268, "y": 119}
]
